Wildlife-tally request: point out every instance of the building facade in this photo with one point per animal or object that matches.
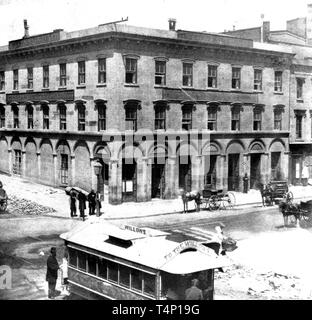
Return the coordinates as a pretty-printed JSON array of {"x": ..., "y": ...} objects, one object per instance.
[{"x": 161, "y": 110}]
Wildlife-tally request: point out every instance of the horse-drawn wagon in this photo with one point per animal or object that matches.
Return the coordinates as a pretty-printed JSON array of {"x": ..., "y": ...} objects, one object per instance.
[
  {"x": 211, "y": 199},
  {"x": 296, "y": 212},
  {"x": 274, "y": 192}
]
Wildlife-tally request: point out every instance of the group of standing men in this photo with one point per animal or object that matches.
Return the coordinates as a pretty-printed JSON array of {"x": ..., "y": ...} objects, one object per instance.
[{"x": 92, "y": 198}]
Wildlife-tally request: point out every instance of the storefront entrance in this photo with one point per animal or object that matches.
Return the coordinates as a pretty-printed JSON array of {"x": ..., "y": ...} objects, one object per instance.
[
  {"x": 185, "y": 174},
  {"x": 255, "y": 170},
  {"x": 233, "y": 172},
  {"x": 129, "y": 181},
  {"x": 158, "y": 180}
]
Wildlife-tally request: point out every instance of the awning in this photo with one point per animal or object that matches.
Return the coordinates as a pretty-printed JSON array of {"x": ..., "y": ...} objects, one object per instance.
[{"x": 194, "y": 261}]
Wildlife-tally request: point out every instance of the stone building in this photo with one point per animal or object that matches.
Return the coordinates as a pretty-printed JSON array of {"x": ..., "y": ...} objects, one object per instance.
[
  {"x": 298, "y": 37},
  {"x": 159, "y": 109}
]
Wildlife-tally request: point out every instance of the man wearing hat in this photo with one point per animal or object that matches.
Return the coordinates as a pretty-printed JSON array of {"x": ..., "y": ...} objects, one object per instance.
[{"x": 52, "y": 268}]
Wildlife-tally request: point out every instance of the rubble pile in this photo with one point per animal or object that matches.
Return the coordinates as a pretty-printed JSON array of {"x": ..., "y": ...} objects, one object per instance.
[
  {"x": 25, "y": 207},
  {"x": 264, "y": 286}
]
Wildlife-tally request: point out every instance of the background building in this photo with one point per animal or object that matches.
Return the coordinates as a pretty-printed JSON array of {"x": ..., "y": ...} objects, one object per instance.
[{"x": 160, "y": 109}]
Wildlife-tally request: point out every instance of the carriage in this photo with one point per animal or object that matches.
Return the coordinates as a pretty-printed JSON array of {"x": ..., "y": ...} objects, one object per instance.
[
  {"x": 211, "y": 199},
  {"x": 296, "y": 212},
  {"x": 274, "y": 192}
]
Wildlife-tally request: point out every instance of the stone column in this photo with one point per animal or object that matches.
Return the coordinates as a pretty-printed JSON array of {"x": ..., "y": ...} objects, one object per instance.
[
  {"x": 55, "y": 169},
  {"x": 147, "y": 172},
  {"x": 140, "y": 181},
  {"x": 285, "y": 165},
  {"x": 196, "y": 168},
  {"x": 93, "y": 176},
  {"x": 220, "y": 172},
  {"x": 23, "y": 173},
  {"x": 39, "y": 164},
  {"x": 115, "y": 182},
  {"x": 10, "y": 161},
  {"x": 73, "y": 169},
  {"x": 264, "y": 168},
  {"x": 170, "y": 178},
  {"x": 225, "y": 170}
]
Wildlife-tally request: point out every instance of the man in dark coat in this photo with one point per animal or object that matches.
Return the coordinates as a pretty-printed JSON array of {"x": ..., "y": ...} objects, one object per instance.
[
  {"x": 92, "y": 202},
  {"x": 72, "y": 199},
  {"x": 82, "y": 205},
  {"x": 193, "y": 293},
  {"x": 51, "y": 276}
]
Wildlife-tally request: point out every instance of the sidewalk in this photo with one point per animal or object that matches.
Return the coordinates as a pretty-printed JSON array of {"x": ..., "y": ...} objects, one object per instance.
[{"x": 58, "y": 200}]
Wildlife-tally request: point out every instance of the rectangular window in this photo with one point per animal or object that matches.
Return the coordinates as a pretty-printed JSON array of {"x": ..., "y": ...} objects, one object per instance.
[
  {"x": 102, "y": 268},
  {"x": 63, "y": 76},
  {"x": 278, "y": 85},
  {"x": 112, "y": 268},
  {"x": 235, "y": 125},
  {"x": 236, "y": 78},
  {"x": 131, "y": 70},
  {"x": 30, "y": 78},
  {"x": 81, "y": 72},
  {"x": 136, "y": 280},
  {"x": 187, "y": 118},
  {"x": 299, "y": 126},
  {"x": 257, "y": 79},
  {"x": 45, "y": 112},
  {"x": 2, "y": 81},
  {"x": 82, "y": 261},
  {"x": 277, "y": 120},
  {"x": 257, "y": 120},
  {"x": 212, "y": 119},
  {"x": 81, "y": 118},
  {"x": 160, "y": 117},
  {"x": 149, "y": 284},
  {"x": 300, "y": 88},
  {"x": 102, "y": 70},
  {"x": 92, "y": 264},
  {"x": 62, "y": 109},
  {"x": 124, "y": 276},
  {"x": 131, "y": 119},
  {"x": 2, "y": 116},
  {"x": 101, "y": 117},
  {"x": 45, "y": 74},
  {"x": 212, "y": 76},
  {"x": 73, "y": 257},
  {"x": 64, "y": 169},
  {"x": 15, "y": 79},
  {"x": 15, "y": 117},
  {"x": 160, "y": 73},
  {"x": 30, "y": 117},
  {"x": 187, "y": 79}
]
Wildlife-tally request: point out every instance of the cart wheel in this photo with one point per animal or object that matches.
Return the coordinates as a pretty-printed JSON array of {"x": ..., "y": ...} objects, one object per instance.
[
  {"x": 292, "y": 219},
  {"x": 214, "y": 203}
]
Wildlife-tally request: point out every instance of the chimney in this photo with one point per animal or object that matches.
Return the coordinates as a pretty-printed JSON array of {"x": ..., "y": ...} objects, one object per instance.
[
  {"x": 26, "y": 28},
  {"x": 266, "y": 31},
  {"x": 309, "y": 22},
  {"x": 172, "y": 24}
]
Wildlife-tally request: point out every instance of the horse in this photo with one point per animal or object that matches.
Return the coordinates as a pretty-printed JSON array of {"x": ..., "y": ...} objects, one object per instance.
[
  {"x": 290, "y": 209},
  {"x": 266, "y": 194},
  {"x": 190, "y": 196}
]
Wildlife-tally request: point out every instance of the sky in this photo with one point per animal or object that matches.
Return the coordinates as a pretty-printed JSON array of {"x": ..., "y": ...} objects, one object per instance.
[{"x": 197, "y": 15}]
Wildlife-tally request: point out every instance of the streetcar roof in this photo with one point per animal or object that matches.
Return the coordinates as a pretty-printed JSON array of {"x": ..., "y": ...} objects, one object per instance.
[{"x": 146, "y": 246}]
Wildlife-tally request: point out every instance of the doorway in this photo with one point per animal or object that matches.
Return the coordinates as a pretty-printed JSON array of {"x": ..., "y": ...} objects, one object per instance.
[
  {"x": 211, "y": 171},
  {"x": 185, "y": 174},
  {"x": 255, "y": 170},
  {"x": 158, "y": 180},
  {"x": 233, "y": 172},
  {"x": 129, "y": 181},
  {"x": 276, "y": 166}
]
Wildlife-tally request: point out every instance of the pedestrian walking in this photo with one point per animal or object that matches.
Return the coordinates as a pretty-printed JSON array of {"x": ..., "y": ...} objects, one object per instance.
[
  {"x": 64, "y": 270},
  {"x": 72, "y": 199},
  {"x": 92, "y": 202},
  {"x": 51, "y": 276},
  {"x": 82, "y": 205}
]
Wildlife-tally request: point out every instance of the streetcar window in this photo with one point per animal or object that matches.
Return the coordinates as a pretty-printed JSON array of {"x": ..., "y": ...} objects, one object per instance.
[
  {"x": 136, "y": 280},
  {"x": 149, "y": 284},
  {"x": 82, "y": 261},
  {"x": 91, "y": 264},
  {"x": 72, "y": 257},
  {"x": 102, "y": 268},
  {"x": 112, "y": 271},
  {"x": 124, "y": 276}
]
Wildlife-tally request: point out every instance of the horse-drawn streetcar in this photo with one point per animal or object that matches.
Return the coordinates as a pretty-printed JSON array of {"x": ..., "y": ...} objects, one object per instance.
[{"x": 111, "y": 262}]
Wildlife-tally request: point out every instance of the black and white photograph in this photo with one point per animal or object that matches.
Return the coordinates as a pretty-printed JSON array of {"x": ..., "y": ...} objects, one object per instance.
[{"x": 155, "y": 150}]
